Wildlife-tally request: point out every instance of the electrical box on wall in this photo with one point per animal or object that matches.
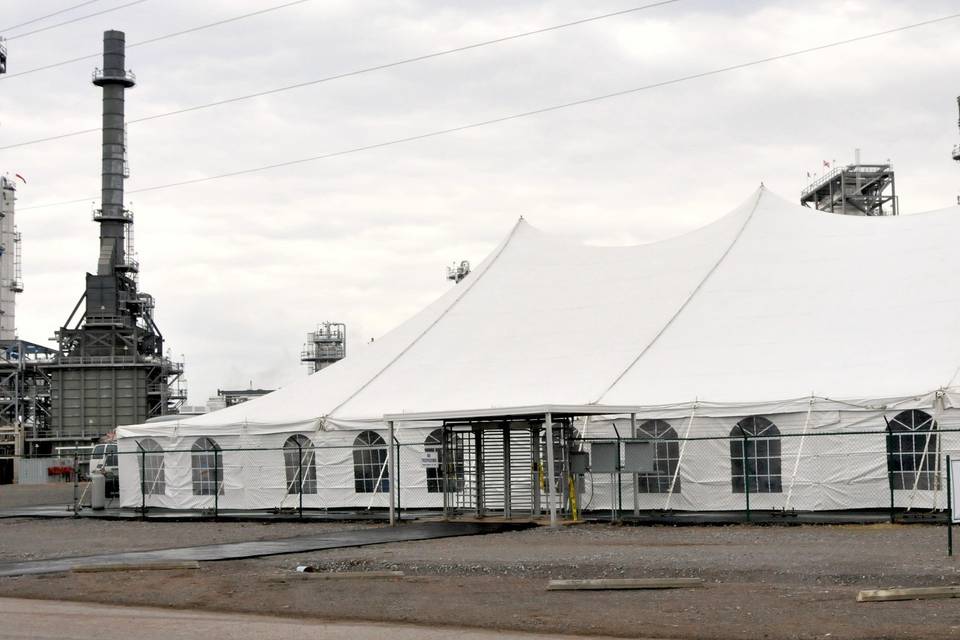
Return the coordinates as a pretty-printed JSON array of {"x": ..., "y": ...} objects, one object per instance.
[
  {"x": 579, "y": 462},
  {"x": 638, "y": 457},
  {"x": 606, "y": 457}
]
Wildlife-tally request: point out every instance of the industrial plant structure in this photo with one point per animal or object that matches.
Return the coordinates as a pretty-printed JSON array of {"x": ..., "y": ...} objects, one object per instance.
[
  {"x": 324, "y": 346},
  {"x": 110, "y": 368},
  {"x": 854, "y": 190},
  {"x": 24, "y": 382}
]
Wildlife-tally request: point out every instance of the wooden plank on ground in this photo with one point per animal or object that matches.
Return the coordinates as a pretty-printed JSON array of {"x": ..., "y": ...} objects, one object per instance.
[
  {"x": 916, "y": 593},
  {"x": 140, "y": 566},
  {"x": 623, "y": 583}
]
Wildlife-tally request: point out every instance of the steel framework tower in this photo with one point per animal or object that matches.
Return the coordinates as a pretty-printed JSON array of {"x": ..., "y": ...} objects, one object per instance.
[
  {"x": 110, "y": 368},
  {"x": 855, "y": 189},
  {"x": 325, "y": 346}
]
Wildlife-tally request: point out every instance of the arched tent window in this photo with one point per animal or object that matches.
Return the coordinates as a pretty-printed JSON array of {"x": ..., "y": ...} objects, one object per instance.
[
  {"x": 451, "y": 459},
  {"x": 370, "y": 472},
  {"x": 762, "y": 455},
  {"x": 207, "y": 464},
  {"x": 299, "y": 460},
  {"x": 150, "y": 460},
  {"x": 666, "y": 457},
  {"x": 912, "y": 450}
]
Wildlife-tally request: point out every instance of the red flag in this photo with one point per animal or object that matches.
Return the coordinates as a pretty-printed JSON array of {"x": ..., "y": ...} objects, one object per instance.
[{"x": 21, "y": 177}]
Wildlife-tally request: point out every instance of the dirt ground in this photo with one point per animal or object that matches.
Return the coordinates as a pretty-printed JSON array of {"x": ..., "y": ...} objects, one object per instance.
[{"x": 760, "y": 582}]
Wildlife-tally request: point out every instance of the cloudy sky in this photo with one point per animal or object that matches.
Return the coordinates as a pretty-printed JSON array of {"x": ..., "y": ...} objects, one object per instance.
[{"x": 243, "y": 267}]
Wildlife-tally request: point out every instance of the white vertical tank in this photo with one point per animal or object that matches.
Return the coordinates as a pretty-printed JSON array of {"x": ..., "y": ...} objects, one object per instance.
[{"x": 10, "y": 283}]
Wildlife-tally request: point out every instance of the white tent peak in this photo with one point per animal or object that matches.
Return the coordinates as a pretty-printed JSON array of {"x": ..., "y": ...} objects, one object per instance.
[{"x": 761, "y": 305}]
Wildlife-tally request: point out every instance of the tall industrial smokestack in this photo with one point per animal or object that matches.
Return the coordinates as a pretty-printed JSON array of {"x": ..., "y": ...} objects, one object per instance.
[
  {"x": 110, "y": 368},
  {"x": 113, "y": 218}
]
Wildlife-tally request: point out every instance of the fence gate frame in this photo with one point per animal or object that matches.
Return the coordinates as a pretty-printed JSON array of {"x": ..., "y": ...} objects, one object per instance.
[
  {"x": 548, "y": 417},
  {"x": 501, "y": 463}
]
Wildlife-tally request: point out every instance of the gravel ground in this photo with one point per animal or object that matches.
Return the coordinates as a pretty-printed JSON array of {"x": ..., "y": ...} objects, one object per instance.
[
  {"x": 34, "y": 495},
  {"x": 32, "y": 539},
  {"x": 822, "y": 554},
  {"x": 761, "y": 582}
]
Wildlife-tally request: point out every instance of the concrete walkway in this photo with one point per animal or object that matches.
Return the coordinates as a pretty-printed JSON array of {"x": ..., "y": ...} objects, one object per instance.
[
  {"x": 52, "y": 619},
  {"x": 256, "y": 549}
]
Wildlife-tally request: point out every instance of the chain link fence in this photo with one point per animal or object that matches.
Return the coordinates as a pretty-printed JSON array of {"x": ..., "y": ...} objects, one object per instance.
[{"x": 752, "y": 474}]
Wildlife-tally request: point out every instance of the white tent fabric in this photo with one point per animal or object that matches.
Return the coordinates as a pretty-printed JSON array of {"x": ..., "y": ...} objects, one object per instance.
[
  {"x": 770, "y": 303},
  {"x": 766, "y": 307}
]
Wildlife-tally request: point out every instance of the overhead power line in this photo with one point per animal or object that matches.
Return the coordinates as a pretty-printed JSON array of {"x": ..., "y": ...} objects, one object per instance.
[
  {"x": 347, "y": 74},
  {"x": 518, "y": 116},
  {"x": 73, "y": 20},
  {"x": 131, "y": 45},
  {"x": 49, "y": 15}
]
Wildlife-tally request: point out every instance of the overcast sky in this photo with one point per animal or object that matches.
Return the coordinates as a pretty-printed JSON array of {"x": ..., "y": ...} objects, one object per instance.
[{"x": 243, "y": 267}]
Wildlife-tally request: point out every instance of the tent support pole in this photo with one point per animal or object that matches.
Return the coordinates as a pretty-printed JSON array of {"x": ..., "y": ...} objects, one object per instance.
[
  {"x": 391, "y": 473},
  {"x": 551, "y": 489}
]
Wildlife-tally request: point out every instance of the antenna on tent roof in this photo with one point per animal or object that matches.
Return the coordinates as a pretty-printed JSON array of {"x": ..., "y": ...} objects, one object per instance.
[{"x": 458, "y": 272}]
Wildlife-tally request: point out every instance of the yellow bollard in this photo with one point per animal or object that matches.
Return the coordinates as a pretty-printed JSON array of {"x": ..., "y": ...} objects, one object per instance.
[{"x": 573, "y": 498}]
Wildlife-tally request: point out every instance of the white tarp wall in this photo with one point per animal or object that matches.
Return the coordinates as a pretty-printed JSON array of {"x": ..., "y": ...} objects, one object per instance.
[{"x": 829, "y": 460}]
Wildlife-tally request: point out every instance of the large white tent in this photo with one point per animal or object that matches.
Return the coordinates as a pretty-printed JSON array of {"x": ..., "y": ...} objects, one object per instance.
[{"x": 816, "y": 321}]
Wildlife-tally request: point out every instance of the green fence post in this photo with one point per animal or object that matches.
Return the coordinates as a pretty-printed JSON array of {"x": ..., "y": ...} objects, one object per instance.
[
  {"x": 396, "y": 469},
  {"x": 143, "y": 482},
  {"x": 76, "y": 484},
  {"x": 888, "y": 440},
  {"x": 619, "y": 480},
  {"x": 216, "y": 483},
  {"x": 300, "y": 475},
  {"x": 746, "y": 475},
  {"x": 949, "y": 510}
]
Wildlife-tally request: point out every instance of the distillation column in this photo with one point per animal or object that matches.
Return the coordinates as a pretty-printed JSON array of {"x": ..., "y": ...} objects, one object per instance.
[{"x": 10, "y": 283}]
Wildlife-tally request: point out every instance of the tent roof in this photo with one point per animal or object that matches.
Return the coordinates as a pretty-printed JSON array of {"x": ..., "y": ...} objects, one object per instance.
[{"x": 770, "y": 302}]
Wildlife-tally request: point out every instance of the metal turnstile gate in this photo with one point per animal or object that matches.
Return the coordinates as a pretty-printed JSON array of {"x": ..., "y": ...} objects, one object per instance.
[{"x": 501, "y": 469}]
